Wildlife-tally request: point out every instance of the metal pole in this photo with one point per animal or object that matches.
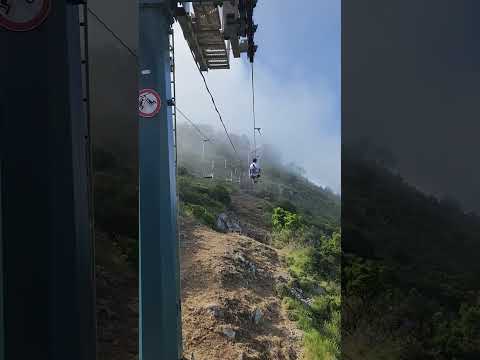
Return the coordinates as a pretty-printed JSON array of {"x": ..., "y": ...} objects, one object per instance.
[
  {"x": 254, "y": 118},
  {"x": 160, "y": 331},
  {"x": 48, "y": 292},
  {"x": 204, "y": 167},
  {"x": 2, "y": 317}
]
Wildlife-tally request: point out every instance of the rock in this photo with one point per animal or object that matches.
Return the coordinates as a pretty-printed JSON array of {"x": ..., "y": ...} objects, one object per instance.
[
  {"x": 240, "y": 258},
  {"x": 298, "y": 294},
  {"x": 221, "y": 224},
  {"x": 215, "y": 310},
  {"x": 246, "y": 264},
  {"x": 257, "y": 315},
  {"x": 229, "y": 332},
  {"x": 226, "y": 223}
]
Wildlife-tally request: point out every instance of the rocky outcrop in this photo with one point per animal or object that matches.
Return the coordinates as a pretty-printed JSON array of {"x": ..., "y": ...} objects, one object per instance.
[{"x": 227, "y": 223}]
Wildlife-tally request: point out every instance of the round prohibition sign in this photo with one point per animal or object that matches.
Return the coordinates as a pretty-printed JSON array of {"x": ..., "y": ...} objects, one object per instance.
[
  {"x": 149, "y": 103},
  {"x": 23, "y": 15}
]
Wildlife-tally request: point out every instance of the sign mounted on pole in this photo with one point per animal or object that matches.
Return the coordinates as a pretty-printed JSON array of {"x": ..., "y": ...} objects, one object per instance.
[
  {"x": 23, "y": 15},
  {"x": 149, "y": 103}
]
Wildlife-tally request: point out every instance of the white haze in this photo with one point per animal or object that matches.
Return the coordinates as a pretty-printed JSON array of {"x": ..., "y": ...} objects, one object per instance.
[{"x": 293, "y": 115}]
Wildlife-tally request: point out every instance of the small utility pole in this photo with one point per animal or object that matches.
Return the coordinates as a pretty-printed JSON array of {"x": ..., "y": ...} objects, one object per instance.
[{"x": 203, "y": 148}]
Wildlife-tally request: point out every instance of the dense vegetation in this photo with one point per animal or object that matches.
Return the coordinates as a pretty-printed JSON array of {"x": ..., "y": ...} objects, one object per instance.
[
  {"x": 314, "y": 267},
  {"x": 405, "y": 294}
]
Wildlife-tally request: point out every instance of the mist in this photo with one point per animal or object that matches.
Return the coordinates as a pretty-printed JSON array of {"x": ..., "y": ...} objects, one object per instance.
[
  {"x": 411, "y": 87},
  {"x": 297, "y": 95},
  {"x": 297, "y": 85}
]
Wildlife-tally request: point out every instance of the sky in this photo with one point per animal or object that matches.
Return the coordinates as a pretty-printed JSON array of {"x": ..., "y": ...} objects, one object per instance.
[
  {"x": 410, "y": 72},
  {"x": 297, "y": 86}
]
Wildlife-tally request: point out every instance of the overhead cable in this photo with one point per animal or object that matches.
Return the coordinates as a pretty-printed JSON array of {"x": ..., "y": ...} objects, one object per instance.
[
  {"x": 112, "y": 32},
  {"x": 254, "y": 118},
  {"x": 193, "y": 124},
  {"x": 213, "y": 102}
]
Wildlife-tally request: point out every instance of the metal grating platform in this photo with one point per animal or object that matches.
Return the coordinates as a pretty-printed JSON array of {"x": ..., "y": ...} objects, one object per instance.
[{"x": 204, "y": 34}]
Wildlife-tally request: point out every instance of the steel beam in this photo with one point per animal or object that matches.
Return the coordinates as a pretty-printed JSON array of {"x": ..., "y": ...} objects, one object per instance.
[
  {"x": 48, "y": 269},
  {"x": 2, "y": 316},
  {"x": 160, "y": 320}
]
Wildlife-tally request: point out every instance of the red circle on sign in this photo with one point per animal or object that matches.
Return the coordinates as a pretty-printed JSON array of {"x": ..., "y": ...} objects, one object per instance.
[
  {"x": 29, "y": 25},
  {"x": 145, "y": 92}
]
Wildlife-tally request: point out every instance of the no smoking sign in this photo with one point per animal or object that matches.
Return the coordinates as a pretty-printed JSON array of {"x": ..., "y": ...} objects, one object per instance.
[
  {"x": 149, "y": 103},
  {"x": 23, "y": 15}
]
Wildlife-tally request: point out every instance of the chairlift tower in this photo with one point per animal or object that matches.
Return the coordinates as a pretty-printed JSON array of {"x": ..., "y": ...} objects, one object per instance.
[
  {"x": 47, "y": 281},
  {"x": 211, "y": 28}
]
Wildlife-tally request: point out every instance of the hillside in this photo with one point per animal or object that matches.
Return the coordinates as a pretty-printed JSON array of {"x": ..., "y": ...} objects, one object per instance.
[
  {"x": 259, "y": 265},
  {"x": 400, "y": 270},
  {"x": 230, "y": 309},
  {"x": 281, "y": 181},
  {"x": 271, "y": 259},
  {"x": 401, "y": 223}
]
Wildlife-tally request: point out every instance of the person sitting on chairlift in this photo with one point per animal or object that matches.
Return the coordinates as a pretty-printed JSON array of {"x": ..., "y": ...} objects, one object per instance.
[{"x": 254, "y": 171}]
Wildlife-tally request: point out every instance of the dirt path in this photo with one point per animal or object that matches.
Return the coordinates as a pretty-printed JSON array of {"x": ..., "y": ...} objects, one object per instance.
[{"x": 226, "y": 280}]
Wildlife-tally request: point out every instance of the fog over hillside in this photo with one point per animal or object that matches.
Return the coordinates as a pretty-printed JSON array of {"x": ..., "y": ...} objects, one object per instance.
[{"x": 297, "y": 98}]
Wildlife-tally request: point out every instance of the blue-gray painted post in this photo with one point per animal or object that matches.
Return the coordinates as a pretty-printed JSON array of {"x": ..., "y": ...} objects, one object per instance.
[
  {"x": 2, "y": 317},
  {"x": 48, "y": 277},
  {"x": 160, "y": 331}
]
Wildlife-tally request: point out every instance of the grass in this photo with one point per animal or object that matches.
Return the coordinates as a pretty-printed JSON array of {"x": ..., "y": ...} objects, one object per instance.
[
  {"x": 203, "y": 199},
  {"x": 321, "y": 325},
  {"x": 318, "y": 347},
  {"x": 321, "y": 321}
]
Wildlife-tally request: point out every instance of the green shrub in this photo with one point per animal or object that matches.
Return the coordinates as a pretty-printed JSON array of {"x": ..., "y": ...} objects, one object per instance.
[
  {"x": 288, "y": 206},
  {"x": 321, "y": 320},
  {"x": 285, "y": 220},
  {"x": 221, "y": 194},
  {"x": 196, "y": 193},
  {"x": 317, "y": 347},
  {"x": 202, "y": 214}
]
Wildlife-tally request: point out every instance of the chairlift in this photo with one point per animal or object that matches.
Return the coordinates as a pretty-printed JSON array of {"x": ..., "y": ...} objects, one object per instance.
[
  {"x": 204, "y": 170},
  {"x": 255, "y": 172}
]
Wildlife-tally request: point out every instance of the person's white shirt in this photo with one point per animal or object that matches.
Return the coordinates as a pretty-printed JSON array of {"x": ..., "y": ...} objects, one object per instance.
[{"x": 254, "y": 169}]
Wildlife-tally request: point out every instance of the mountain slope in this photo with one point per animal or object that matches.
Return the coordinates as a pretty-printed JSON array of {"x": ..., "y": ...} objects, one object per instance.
[
  {"x": 226, "y": 280},
  {"x": 402, "y": 281}
]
